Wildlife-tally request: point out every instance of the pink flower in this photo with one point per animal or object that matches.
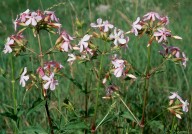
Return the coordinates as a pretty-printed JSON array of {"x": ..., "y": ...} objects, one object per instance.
[
  {"x": 107, "y": 26},
  {"x": 184, "y": 103},
  {"x": 118, "y": 37},
  {"x": 119, "y": 67},
  {"x": 162, "y": 33},
  {"x": 24, "y": 77},
  {"x": 84, "y": 42},
  {"x": 136, "y": 26},
  {"x": 66, "y": 41},
  {"x": 7, "y": 48},
  {"x": 165, "y": 20},
  {"x": 151, "y": 16},
  {"x": 51, "y": 82},
  {"x": 98, "y": 24},
  {"x": 23, "y": 16},
  {"x": 33, "y": 18},
  {"x": 52, "y": 15},
  {"x": 52, "y": 64},
  {"x": 40, "y": 71}
]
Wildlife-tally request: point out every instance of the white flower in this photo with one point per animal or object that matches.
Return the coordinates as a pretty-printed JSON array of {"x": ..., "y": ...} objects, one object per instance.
[
  {"x": 7, "y": 48},
  {"x": 24, "y": 78},
  {"x": 185, "y": 106},
  {"x": 71, "y": 58},
  {"x": 136, "y": 26},
  {"x": 175, "y": 95},
  {"x": 107, "y": 26},
  {"x": 33, "y": 19},
  {"x": 119, "y": 67},
  {"x": 51, "y": 82},
  {"x": 118, "y": 37},
  {"x": 99, "y": 23},
  {"x": 84, "y": 42}
]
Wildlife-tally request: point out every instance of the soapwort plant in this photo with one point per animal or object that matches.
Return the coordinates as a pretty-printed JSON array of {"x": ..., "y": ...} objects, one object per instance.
[{"x": 83, "y": 48}]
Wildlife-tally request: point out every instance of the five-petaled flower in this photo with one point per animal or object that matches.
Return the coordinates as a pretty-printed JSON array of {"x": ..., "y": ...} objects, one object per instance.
[
  {"x": 118, "y": 37},
  {"x": 136, "y": 26},
  {"x": 84, "y": 42},
  {"x": 98, "y": 24},
  {"x": 50, "y": 82},
  {"x": 119, "y": 67},
  {"x": 162, "y": 34},
  {"x": 66, "y": 41},
  {"x": 107, "y": 26},
  {"x": 151, "y": 16},
  {"x": 7, "y": 48},
  {"x": 24, "y": 77},
  {"x": 33, "y": 18}
]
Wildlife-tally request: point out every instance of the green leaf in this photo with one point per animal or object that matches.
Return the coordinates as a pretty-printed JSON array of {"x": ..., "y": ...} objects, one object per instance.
[
  {"x": 36, "y": 105},
  {"x": 75, "y": 126},
  {"x": 127, "y": 115},
  {"x": 10, "y": 115},
  {"x": 74, "y": 82},
  {"x": 33, "y": 130}
]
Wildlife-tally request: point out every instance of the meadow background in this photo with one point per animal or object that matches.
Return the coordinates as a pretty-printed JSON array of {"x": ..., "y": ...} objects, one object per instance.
[{"x": 173, "y": 78}]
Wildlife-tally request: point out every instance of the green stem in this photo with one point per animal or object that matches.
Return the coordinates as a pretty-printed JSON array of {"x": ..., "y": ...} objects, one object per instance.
[
  {"x": 136, "y": 120},
  {"x": 146, "y": 86},
  {"x": 112, "y": 106},
  {"x": 172, "y": 126},
  {"x": 45, "y": 95},
  {"x": 13, "y": 92}
]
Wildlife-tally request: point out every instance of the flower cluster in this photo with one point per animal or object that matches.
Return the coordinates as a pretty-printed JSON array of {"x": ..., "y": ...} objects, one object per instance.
[
  {"x": 15, "y": 43},
  {"x": 174, "y": 53},
  {"x": 103, "y": 26},
  {"x": 38, "y": 20},
  {"x": 153, "y": 25},
  {"x": 176, "y": 103},
  {"x": 47, "y": 74}
]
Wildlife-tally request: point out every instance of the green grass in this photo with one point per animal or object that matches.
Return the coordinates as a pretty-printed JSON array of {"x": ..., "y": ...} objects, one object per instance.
[{"x": 174, "y": 78}]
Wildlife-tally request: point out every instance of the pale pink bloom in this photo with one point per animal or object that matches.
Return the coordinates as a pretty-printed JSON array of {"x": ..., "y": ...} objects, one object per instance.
[
  {"x": 98, "y": 24},
  {"x": 24, "y": 77},
  {"x": 119, "y": 67},
  {"x": 89, "y": 50},
  {"x": 107, "y": 26},
  {"x": 184, "y": 59},
  {"x": 15, "y": 23},
  {"x": 165, "y": 20},
  {"x": 23, "y": 15},
  {"x": 33, "y": 19},
  {"x": 175, "y": 95},
  {"x": 184, "y": 103},
  {"x": 151, "y": 16},
  {"x": 136, "y": 26},
  {"x": 162, "y": 34},
  {"x": 7, "y": 48},
  {"x": 118, "y": 37},
  {"x": 52, "y": 15},
  {"x": 71, "y": 58},
  {"x": 66, "y": 41},
  {"x": 84, "y": 42},
  {"x": 40, "y": 71},
  {"x": 185, "y": 106},
  {"x": 51, "y": 82}
]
